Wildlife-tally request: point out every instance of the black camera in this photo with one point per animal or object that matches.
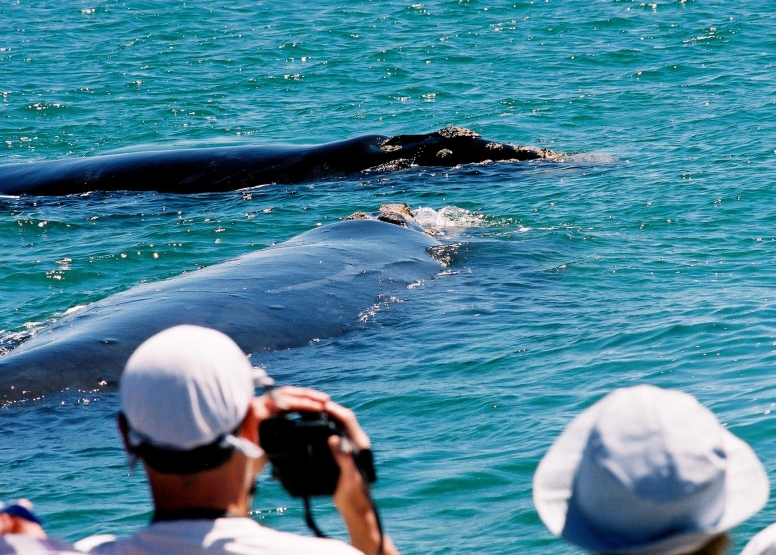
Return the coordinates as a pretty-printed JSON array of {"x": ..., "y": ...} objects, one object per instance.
[{"x": 297, "y": 446}]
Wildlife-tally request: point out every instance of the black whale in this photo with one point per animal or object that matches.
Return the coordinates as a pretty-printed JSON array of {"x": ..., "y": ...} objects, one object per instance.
[
  {"x": 229, "y": 168},
  {"x": 312, "y": 286}
]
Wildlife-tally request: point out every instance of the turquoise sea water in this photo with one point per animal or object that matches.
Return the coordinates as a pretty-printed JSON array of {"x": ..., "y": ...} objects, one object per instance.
[{"x": 650, "y": 257}]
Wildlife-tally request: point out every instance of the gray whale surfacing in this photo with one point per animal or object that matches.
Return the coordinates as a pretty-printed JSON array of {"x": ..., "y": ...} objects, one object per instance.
[
  {"x": 312, "y": 286},
  {"x": 201, "y": 170}
]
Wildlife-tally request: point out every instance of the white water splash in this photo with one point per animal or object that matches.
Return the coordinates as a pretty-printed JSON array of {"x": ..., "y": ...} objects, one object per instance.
[
  {"x": 12, "y": 339},
  {"x": 9, "y": 340},
  {"x": 382, "y": 303},
  {"x": 76, "y": 308},
  {"x": 449, "y": 220}
]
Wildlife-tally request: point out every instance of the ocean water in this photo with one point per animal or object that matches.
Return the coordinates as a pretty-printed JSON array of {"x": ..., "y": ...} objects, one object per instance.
[{"x": 649, "y": 256}]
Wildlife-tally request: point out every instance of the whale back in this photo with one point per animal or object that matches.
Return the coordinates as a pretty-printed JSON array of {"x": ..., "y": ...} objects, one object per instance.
[
  {"x": 310, "y": 287},
  {"x": 198, "y": 170}
]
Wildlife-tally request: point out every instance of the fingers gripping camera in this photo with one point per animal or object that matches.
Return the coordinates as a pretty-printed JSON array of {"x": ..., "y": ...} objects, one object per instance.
[{"x": 297, "y": 446}]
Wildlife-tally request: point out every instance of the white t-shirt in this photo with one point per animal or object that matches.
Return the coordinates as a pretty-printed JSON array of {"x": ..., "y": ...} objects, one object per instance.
[
  {"x": 21, "y": 544},
  {"x": 222, "y": 535}
]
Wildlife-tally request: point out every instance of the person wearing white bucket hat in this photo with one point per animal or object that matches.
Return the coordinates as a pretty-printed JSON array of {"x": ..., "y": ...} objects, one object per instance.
[
  {"x": 188, "y": 412},
  {"x": 764, "y": 542},
  {"x": 648, "y": 471}
]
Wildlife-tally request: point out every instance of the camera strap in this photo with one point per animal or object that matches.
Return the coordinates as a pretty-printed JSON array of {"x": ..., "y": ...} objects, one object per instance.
[
  {"x": 379, "y": 524},
  {"x": 308, "y": 518},
  {"x": 365, "y": 462}
]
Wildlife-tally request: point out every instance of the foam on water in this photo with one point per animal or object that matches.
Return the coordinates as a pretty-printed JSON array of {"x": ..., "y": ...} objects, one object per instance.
[
  {"x": 11, "y": 339},
  {"x": 450, "y": 220}
]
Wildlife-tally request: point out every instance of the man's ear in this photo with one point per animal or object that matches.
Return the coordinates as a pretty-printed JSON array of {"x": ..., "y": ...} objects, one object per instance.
[
  {"x": 249, "y": 428},
  {"x": 6, "y": 524},
  {"x": 123, "y": 425}
]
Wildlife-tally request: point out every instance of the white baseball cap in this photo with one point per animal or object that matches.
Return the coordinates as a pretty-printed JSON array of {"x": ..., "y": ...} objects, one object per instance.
[
  {"x": 647, "y": 470},
  {"x": 187, "y": 387}
]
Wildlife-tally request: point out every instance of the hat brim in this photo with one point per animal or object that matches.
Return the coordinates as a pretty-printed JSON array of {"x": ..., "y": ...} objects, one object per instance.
[
  {"x": 764, "y": 542},
  {"x": 746, "y": 491}
]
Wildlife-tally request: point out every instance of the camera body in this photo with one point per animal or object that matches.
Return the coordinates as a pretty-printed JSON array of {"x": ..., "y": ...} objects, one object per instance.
[{"x": 297, "y": 446}]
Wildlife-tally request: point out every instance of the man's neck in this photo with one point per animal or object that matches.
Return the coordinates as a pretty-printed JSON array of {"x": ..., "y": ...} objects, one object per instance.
[
  {"x": 189, "y": 514},
  {"x": 222, "y": 489}
]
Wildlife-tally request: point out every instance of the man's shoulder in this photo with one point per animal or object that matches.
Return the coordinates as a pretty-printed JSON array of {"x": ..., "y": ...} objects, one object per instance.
[
  {"x": 250, "y": 535},
  {"x": 223, "y": 535},
  {"x": 19, "y": 543}
]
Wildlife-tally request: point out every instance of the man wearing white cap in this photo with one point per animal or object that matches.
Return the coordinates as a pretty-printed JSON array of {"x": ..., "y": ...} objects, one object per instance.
[
  {"x": 188, "y": 412},
  {"x": 648, "y": 471}
]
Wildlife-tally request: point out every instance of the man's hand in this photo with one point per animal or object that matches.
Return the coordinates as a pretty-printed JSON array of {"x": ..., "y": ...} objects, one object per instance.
[
  {"x": 269, "y": 405},
  {"x": 288, "y": 398},
  {"x": 352, "y": 494}
]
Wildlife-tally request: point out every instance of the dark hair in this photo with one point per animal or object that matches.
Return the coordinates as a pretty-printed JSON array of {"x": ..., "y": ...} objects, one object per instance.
[
  {"x": 718, "y": 545},
  {"x": 175, "y": 461},
  {"x": 170, "y": 461}
]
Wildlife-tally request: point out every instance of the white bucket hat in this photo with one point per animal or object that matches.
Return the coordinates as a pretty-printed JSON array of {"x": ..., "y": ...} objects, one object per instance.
[
  {"x": 764, "y": 543},
  {"x": 647, "y": 470},
  {"x": 186, "y": 387}
]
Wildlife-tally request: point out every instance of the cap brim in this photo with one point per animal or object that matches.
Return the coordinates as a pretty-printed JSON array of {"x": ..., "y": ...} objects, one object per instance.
[
  {"x": 746, "y": 490},
  {"x": 21, "y": 512},
  {"x": 243, "y": 445}
]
